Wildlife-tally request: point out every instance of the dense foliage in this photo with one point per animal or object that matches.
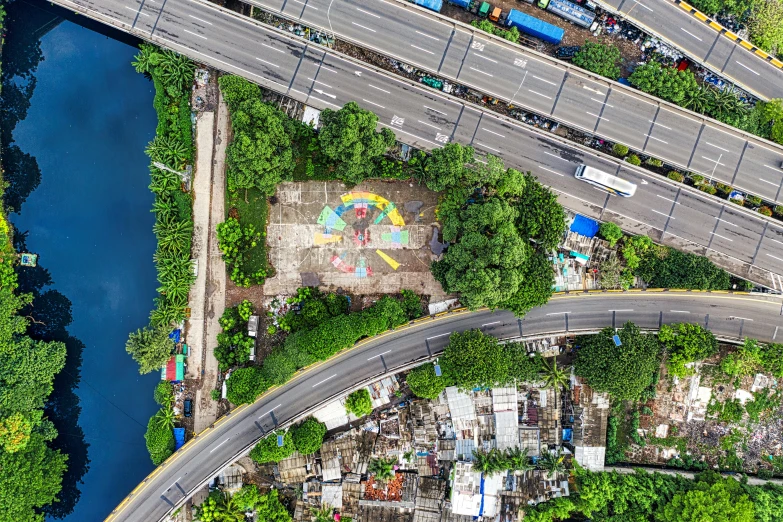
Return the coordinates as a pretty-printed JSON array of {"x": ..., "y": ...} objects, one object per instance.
[
  {"x": 424, "y": 383},
  {"x": 512, "y": 35},
  {"x": 172, "y": 76},
  {"x": 151, "y": 347},
  {"x": 665, "y": 267},
  {"x": 267, "y": 449},
  {"x": 234, "y": 345},
  {"x": 622, "y": 371},
  {"x": 599, "y": 58},
  {"x": 500, "y": 224},
  {"x": 359, "y": 403},
  {"x": 311, "y": 307},
  {"x": 160, "y": 436},
  {"x": 308, "y": 435},
  {"x": 235, "y": 242},
  {"x": 610, "y": 232},
  {"x": 245, "y": 384},
  {"x": 685, "y": 343}
]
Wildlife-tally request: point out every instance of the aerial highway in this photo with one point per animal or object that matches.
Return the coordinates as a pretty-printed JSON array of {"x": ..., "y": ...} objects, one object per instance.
[
  {"x": 727, "y": 315},
  {"x": 702, "y": 42},
  {"x": 743, "y": 242},
  {"x": 509, "y": 72}
]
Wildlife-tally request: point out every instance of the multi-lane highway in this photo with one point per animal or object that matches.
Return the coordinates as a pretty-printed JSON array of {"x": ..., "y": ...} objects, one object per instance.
[
  {"x": 524, "y": 77},
  {"x": 729, "y": 316},
  {"x": 743, "y": 242},
  {"x": 703, "y": 43}
]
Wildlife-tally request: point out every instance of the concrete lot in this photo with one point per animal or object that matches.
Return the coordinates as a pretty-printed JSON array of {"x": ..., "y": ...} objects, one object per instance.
[{"x": 348, "y": 251}]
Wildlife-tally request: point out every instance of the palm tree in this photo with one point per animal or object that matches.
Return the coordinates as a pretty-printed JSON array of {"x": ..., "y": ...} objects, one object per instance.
[
  {"x": 554, "y": 377},
  {"x": 697, "y": 100},
  {"x": 323, "y": 514},
  {"x": 554, "y": 463},
  {"x": 382, "y": 468},
  {"x": 518, "y": 461},
  {"x": 165, "y": 418},
  {"x": 169, "y": 151}
]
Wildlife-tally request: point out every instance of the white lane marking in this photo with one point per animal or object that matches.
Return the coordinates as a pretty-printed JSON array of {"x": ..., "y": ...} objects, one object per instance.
[
  {"x": 667, "y": 199},
  {"x": 775, "y": 240},
  {"x": 599, "y": 93},
  {"x": 482, "y": 72},
  {"x": 690, "y": 33},
  {"x": 379, "y": 355},
  {"x": 714, "y": 161},
  {"x": 330, "y": 377},
  {"x": 363, "y": 27},
  {"x": 194, "y": 34},
  {"x": 661, "y": 213},
  {"x": 543, "y": 80},
  {"x": 492, "y": 132},
  {"x": 482, "y": 56},
  {"x": 775, "y": 257},
  {"x": 679, "y": 311},
  {"x": 268, "y": 63},
  {"x": 559, "y": 313},
  {"x": 488, "y": 324},
  {"x": 270, "y": 411},
  {"x": 765, "y": 181},
  {"x": 544, "y": 95},
  {"x": 602, "y": 102},
  {"x": 327, "y": 69},
  {"x": 776, "y": 169},
  {"x": 320, "y": 83},
  {"x": 378, "y": 88},
  {"x": 776, "y": 333},
  {"x": 428, "y": 35},
  {"x": 550, "y": 170},
  {"x": 367, "y": 12},
  {"x": 429, "y": 125},
  {"x": 716, "y": 146},
  {"x": 621, "y": 310},
  {"x": 216, "y": 447},
  {"x": 641, "y": 4},
  {"x": 487, "y": 147},
  {"x": 657, "y": 139},
  {"x": 440, "y": 335},
  {"x": 409, "y": 11},
  {"x": 200, "y": 20},
  {"x": 398, "y": 130},
  {"x": 373, "y": 103},
  {"x": 723, "y": 237},
  {"x": 659, "y": 124},
  {"x": 748, "y": 68},
  {"x": 554, "y": 156},
  {"x": 729, "y": 222},
  {"x": 435, "y": 110},
  {"x": 273, "y": 48},
  {"x": 136, "y": 11},
  {"x": 420, "y": 49},
  {"x": 597, "y": 116},
  {"x": 326, "y": 102}
]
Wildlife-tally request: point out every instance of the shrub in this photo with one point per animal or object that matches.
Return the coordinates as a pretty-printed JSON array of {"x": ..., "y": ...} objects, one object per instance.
[
  {"x": 778, "y": 210},
  {"x": 675, "y": 176},
  {"x": 308, "y": 436},
  {"x": 245, "y": 384},
  {"x": 696, "y": 179},
  {"x": 245, "y": 310},
  {"x": 424, "y": 383},
  {"x": 737, "y": 201},
  {"x": 159, "y": 438},
  {"x": 234, "y": 242},
  {"x": 654, "y": 162},
  {"x": 709, "y": 189},
  {"x": 610, "y": 232},
  {"x": 753, "y": 201},
  {"x": 633, "y": 159},
  {"x": 164, "y": 394},
  {"x": 724, "y": 189},
  {"x": 599, "y": 58},
  {"x": 411, "y": 304},
  {"x": 766, "y": 211},
  {"x": 620, "y": 150},
  {"x": 267, "y": 449},
  {"x": 359, "y": 403},
  {"x": 215, "y": 395}
]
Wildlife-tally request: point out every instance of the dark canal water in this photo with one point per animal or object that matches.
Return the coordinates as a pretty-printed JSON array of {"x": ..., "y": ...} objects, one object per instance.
[{"x": 76, "y": 118}]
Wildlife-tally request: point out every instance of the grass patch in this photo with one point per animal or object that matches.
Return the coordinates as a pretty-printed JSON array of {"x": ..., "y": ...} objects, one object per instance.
[{"x": 254, "y": 211}]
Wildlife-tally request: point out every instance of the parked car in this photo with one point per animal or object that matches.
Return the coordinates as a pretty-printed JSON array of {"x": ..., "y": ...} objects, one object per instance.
[{"x": 187, "y": 407}]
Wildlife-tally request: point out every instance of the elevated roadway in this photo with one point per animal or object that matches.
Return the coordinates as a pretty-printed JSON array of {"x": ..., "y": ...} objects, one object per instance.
[
  {"x": 727, "y": 315},
  {"x": 743, "y": 242}
]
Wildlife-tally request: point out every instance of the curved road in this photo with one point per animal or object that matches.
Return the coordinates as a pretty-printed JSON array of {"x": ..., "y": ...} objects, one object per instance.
[{"x": 727, "y": 315}]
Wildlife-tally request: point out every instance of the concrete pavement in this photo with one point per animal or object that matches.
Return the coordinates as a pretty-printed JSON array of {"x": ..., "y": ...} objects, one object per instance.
[{"x": 727, "y": 315}]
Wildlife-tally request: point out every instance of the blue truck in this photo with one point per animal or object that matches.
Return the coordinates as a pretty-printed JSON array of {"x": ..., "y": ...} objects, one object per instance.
[
  {"x": 569, "y": 10},
  {"x": 534, "y": 27},
  {"x": 465, "y": 4},
  {"x": 433, "y": 5}
]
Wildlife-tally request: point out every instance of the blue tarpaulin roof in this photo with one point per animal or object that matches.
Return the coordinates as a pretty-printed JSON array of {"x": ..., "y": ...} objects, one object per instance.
[
  {"x": 584, "y": 226},
  {"x": 179, "y": 438}
]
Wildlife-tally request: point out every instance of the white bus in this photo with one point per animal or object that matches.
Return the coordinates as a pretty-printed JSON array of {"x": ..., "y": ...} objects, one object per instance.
[{"x": 604, "y": 181}]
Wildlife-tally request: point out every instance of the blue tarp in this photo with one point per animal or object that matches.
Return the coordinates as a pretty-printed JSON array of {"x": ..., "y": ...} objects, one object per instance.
[
  {"x": 584, "y": 226},
  {"x": 179, "y": 438},
  {"x": 434, "y": 5},
  {"x": 567, "y": 433},
  {"x": 535, "y": 27},
  {"x": 175, "y": 335}
]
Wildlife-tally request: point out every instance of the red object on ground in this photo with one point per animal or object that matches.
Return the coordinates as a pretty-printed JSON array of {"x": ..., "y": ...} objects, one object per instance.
[
  {"x": 171, "y": 369},
  {"x": 684, "y": 63}
]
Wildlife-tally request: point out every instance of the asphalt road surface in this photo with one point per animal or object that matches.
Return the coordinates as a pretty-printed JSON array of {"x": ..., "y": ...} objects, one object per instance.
[
  {"x": 726, "y": 315},
  {"x": 509, "y": 72},
  {"x": 740, "y": 241},
  {"x": 700, "y": 41}
]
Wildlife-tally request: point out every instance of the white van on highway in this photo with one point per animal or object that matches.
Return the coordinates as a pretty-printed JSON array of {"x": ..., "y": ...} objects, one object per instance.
[{"x": 604, "y": 181}]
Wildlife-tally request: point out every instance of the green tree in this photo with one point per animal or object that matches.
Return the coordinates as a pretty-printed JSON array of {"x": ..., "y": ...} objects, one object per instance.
[
  {"x": 766, "y": 26},
  {"x": 308, "y": 435},
  {"x": 159, "y": 438},
  {"x": 553, "y": 462},
  {"x": 236, "y": 90},
  {"x": 150, "y": 347},
  {"x": 464, "y": 349},
  {"x": 267, "y": 449},
  {"x": 712, "y": 498},
  {"x": 554, "y": 377},
  {"x": 15, "y": 432},
  {"x": 359, "y": 403},
  {"x": 383, "y": 469},
  {"x": 411, "y": 303},
  {"x": 245, "y": 385},
  {"x": 622, "y": 371},
  {"x": 541, "y": 218},
  {"x": 686, "y": 343},
  {"x": 164, "y": 394},
  {"x": 348, "y": 137},
  {"x": 424, "y": 383},
  {"x": 270, "y": 509},
  {"x": 27, "y": 371},
  {"x": 599, "y": 58},
  {"x": 664, "y": 82},
  {"x": 446, "y": 167},
  {"x": 610, "y": 232}
]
